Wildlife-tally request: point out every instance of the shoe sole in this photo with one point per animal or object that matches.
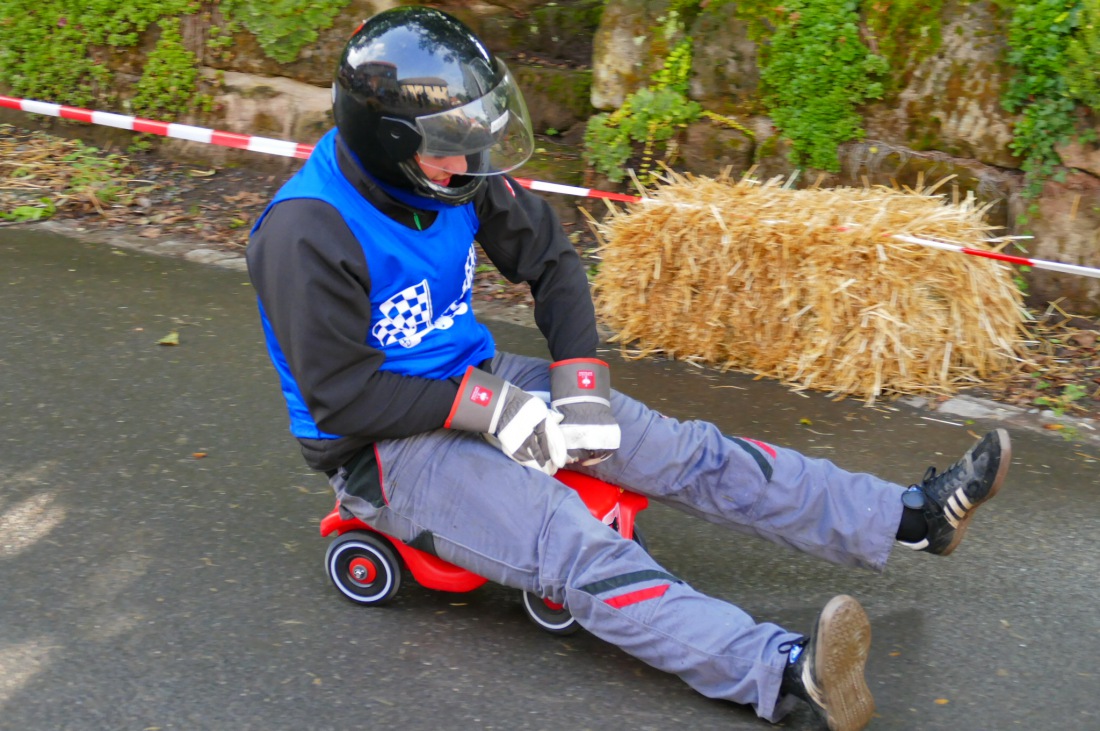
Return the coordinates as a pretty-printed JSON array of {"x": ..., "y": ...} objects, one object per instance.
[
  {"x": 840, "y": 655},
  {"x": 1002, "y": 471}
]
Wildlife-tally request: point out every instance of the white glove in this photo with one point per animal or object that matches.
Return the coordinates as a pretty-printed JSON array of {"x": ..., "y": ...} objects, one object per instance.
[
  {"x": 580, "y": 389},
  {"x": 519, "y": 424}
]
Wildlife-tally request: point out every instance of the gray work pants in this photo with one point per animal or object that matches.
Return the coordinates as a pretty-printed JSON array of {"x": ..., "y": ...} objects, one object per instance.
[{"x": 523, "y": 529}]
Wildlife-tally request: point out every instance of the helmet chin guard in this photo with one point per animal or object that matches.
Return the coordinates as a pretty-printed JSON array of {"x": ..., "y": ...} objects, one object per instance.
[{"x": 462, "y": 189}]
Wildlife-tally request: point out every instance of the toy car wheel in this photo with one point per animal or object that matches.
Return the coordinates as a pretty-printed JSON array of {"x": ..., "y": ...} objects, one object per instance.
[
  {"x": 363, "y": 567},
  {"x": 553, "y": 618},
  {"x": 639, "y": 538}
]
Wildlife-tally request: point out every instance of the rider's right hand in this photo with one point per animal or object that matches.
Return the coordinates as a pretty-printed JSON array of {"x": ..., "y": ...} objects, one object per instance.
[{"x": 520, "y": 424}]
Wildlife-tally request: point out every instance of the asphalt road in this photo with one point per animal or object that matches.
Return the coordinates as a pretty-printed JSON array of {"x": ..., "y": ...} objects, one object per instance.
[{"x": 143, "y": 586}]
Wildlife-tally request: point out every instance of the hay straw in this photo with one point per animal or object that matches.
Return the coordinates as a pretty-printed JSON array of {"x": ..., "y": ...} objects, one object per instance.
[{"x": 808, "y": 287}]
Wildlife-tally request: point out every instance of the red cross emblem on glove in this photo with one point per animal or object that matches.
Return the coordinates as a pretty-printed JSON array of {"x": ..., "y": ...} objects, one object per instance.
[
  {"x": 586, "y": 379},
  {"x": 481, "y": 396}
]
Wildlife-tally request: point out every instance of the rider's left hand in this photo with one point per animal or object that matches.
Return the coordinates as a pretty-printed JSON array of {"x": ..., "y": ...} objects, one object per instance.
[{"x": 580, "y": 389}]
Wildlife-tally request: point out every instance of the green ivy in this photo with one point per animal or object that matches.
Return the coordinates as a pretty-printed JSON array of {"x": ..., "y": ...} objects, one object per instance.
[
  {"x": 815, "y": 74},
  {"x": 1055, "y": 50}
]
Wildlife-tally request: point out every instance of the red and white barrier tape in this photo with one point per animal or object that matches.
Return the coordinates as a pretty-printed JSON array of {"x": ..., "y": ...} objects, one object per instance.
[
  {"x": 164, "y": 129},
  {"x": 286, "y": 148},
  {"x": 1018, "y": 260},
  {"x": 581, "y": 192}
]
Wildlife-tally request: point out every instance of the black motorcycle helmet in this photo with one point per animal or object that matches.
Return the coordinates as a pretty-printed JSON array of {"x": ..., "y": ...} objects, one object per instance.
[{"x": 416, "y": 81}]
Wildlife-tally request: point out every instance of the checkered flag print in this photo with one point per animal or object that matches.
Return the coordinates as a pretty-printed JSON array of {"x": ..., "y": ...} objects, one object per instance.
[
  {"x": 471, "y": 264},
  {"x": 407, "y": 312}
]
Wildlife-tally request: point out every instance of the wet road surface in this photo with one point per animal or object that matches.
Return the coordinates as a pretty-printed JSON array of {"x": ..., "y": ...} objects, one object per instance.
[{"x": 143, "y": 586}]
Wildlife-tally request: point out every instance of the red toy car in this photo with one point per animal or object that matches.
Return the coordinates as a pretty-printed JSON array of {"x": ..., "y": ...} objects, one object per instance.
[{"x": 363, "y": 563}]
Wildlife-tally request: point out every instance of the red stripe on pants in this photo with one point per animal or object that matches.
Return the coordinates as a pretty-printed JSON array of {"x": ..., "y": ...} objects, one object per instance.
[
  {"x": 633, "y": 597},
  {"x": 766, "y": 447}
]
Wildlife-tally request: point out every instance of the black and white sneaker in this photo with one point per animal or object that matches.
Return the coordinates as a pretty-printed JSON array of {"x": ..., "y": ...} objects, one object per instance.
[
  {"x": 826, "y": 668},
  {"x": 948, "y": 500}
]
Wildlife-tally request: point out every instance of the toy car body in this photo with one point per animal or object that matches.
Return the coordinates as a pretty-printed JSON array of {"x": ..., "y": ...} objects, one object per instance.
[{"x": 365, "y": 564}]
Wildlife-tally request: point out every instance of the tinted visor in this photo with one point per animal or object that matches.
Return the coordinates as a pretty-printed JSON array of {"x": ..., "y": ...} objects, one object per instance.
[{"x": 492, "y": 134}]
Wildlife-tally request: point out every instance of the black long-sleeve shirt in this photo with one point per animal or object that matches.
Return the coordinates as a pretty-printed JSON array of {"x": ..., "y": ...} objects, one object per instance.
[{"x": 314, "y": 283}]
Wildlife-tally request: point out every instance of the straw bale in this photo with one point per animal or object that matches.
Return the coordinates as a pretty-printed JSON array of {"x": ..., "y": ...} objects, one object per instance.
[{"x": 810, "y": 287}]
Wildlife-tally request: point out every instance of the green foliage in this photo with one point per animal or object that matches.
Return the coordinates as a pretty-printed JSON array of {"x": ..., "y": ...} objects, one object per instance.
[
  {"x": 1018, "y": 278},
  {"x": 816, "y": 72},
  {"x": 284, "y": 27},
  {"x": 141, "y": 143},
  {"x": 220, "y": 39},
  {"x": 1050, "y": 79},
  {"x": 647, "y": 117},
  {"x": 53, "y": 49},
  {"x": 44, "y": 53},
  {"x": 1061, "y": 402},
  {"x": 46, "y": 46},
  {"x": 22, "y": 214},
  {"x": 169, "y": 79},
  {"x": 72, "y": 175},
  {"x": 728, "y": 122},
  {"x": 676, "y": 71},
  {"x": 120, "y": 24},
  {"x": 95, "y": 175}
]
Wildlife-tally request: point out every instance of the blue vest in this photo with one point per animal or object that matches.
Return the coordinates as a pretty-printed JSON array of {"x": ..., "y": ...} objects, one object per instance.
[{"x": 422, "y": 315}]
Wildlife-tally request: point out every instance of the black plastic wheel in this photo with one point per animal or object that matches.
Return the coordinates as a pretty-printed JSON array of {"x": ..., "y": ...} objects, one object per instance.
[
  {"x": 639, "y": 538},
  {"x": 363, "y": 566},
  {"x": 553, "y": 619}
]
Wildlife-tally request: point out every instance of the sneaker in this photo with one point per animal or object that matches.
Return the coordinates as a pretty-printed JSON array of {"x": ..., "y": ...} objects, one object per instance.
[
  {"x": 949, "y": 500},
  {"x": 826, "y": 668}
]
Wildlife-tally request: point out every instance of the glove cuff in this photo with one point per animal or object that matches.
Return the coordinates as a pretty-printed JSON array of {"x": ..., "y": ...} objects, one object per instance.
[
  {"x": 579, "y": 381},
  {"x": 480, "y": 400}
]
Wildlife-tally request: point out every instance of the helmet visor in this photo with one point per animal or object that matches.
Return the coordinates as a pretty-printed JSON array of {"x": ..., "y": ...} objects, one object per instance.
[{"x": 488, "y": 136}]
